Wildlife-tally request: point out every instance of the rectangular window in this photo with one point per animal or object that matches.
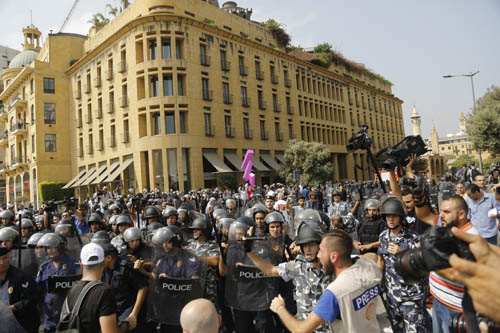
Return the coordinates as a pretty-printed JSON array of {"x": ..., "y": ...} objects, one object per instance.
[
  {"x": 33, "y": 144},
  {"x": 186, "y": 168},
  {"x": 170, "y": 122},
  {"x": 225, "y": 92},
  {"x": 49, "y": 85},
  {"x": 156, "y": 123},
  {"x": 244, "y": 97},
  {"x": 263, "y": 133},
  {"x": 205, "y": 91},
  {"x": 173, "y": 177},
  {"x": 32, "y": 87},
  {"x": 168, "y": 86},
  {"x": 50, "y": 143},
  {"x": 183, "y": 122},
  {"x": 246, "y": 128},
  {"x": 227, "y": 125},
  {"x": 158, "y": 168},
  {"x": 153, "y": 85},
  {"x": 166, "y": 48},
  {"x": 49, "y": 113},
  {"x": 290, "y": 131},
  {"x": 180, "y": 85},
  {"x": 178, "y": 48},
  {"x": 203, "y": 55},
  {"x": 277, "y": 131},
  {"x": 208, "y": 124},
  {"x": 152, "y": 49}
]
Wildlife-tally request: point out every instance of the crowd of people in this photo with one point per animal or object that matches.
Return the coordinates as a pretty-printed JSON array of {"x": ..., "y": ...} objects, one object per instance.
[{"x": 279, "y": 258}]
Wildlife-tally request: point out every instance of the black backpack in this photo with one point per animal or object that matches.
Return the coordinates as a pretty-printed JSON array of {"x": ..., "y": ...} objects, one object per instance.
[{"x": 70, "y": 321}]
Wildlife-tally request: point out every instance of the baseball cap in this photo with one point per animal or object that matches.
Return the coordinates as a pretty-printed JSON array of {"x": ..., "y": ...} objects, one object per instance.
[{"x": 91, "y": 254}]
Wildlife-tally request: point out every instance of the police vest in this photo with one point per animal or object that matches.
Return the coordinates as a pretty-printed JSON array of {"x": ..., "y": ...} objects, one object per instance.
[
  {"x": 369, "y": 232},
  {"x": 357, "y": 289}
]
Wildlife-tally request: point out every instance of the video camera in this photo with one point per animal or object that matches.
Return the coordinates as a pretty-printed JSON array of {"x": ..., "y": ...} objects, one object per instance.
[
  {"x": 52, "y": 205},
  {"x": 360, "y": 140},
  {"x": 400, "y": 153},
  {"x": 437, "y": 244}
]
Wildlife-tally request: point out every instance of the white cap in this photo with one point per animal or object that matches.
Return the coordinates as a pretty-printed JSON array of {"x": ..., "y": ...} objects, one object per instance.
[{"x": 91, "y": 254}]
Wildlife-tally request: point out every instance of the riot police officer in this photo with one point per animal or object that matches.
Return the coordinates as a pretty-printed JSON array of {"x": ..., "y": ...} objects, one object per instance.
[
  {"x": 136, "y": 249},
  {"x": 370, "y": 228},
  {"x": 8, "y": 237},
  {"x": 101, "y": 237},
  {"x": 96, "y": 223},
  {"x": 73, "y": 242},
  {"x": 58, "y": 263},
  {"x": 7, "y": 218},
  {"x": 259, "y": 212},
  {"x": 405, "y": 304},
  {"x": 18, "y": 298},
  {"x": 170, "y": 214},
  {"x": 26, "y": 230},
  {"x": 123, "y": 223}
]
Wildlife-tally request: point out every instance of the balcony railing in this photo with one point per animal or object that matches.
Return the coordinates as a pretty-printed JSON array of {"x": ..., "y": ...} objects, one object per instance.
[
  {"x": 262, "y": 104},
  {"x": 290, "y": 109},
  {"x": 248, "y": 133},
  {"x": 112, "y": 141},
  {"x": 122, "y": 67},
  {"x": 124, "y": 101},
  {"x": 205, "y": 60},
  {"x": 210, "y": 130},
  {"x": 125, "y": 137},
  {"x": 274, "y": 79},
  {"x": 230, "y": 132},
  {"x": 19, "y": 127},
  {"x": 227, "y": 98},
  {"x": 110, "y": 108},
  {"x": 245, "y": 101},
  {"x": 259, "y": 75},
  {"x": 225, "y": 65},
  {"x": 243, "y": 70},
  {"x": 208, "y": 95},
  {"x": 97, "y": 82},
  {"x": 288, "y": 83}
]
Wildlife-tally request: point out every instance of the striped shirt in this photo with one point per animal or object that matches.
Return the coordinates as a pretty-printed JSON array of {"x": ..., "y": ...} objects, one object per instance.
[{"x": 448, "y": 292}]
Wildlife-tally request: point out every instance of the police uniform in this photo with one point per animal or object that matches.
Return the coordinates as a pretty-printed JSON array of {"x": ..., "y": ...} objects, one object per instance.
[
  {"x": 53, "y": 301},
  {"x": 405, "y": 303},
  {"x": 20, "y": 291},
  {"x": 119, "y": 243},
  {"x": 310, "y": 283},
  {"x": 126, "y": 282},
  {"x": 342, "y": 209},
  {"x": 369, "y": 231},
  {"x": 207, "y": 249}
]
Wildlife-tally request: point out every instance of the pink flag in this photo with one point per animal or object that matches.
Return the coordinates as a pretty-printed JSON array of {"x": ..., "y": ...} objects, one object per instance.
[
  {"x": 252, "y": 179},
  {"x": 247, "y": 159}
]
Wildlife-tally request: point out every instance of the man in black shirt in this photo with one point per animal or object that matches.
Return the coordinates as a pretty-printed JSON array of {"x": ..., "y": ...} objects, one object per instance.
[{"x": 98, "y": 310}]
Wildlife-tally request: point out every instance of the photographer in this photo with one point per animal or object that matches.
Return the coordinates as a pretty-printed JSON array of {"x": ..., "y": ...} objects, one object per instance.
[
  {"x": 447, "y": 294},
  {"x": 102, "y": 196}
]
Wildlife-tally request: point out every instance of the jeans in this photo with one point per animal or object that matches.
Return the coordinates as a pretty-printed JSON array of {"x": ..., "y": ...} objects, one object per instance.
[
  {"x": 492, "y": 240},
  {"x": 441, "y": 316}
]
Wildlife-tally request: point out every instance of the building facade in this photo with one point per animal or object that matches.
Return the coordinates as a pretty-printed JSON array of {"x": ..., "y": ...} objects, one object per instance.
[{"x": 171, "y": 94}]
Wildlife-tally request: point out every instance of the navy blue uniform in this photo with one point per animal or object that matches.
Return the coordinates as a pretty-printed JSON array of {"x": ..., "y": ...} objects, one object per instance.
[{"x": 53, "y": 302}]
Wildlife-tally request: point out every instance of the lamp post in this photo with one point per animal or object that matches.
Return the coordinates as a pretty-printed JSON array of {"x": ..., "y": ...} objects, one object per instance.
[{"x": 471, "y": 75}]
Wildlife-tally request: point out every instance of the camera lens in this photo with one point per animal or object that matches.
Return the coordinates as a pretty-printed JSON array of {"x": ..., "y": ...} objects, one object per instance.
[
  {"x": 411, "y": 265},
  {"x": 458, "y": 323}
]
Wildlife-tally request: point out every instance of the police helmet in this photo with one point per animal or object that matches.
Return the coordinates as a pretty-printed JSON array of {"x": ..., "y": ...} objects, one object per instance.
[
  {"x": 163, "y": 235},
  {"x": 8, "y": 234},
  {"x": 248, "y": 213},
  {"x": 199, "y": 223},
  {"x": 259, "y": 208},
  {"x": 151, "y": 228},
  {"x": 95, "y": 218},
  {"x": 7, "y": 214},
  {"x": 112, "y": 219},
  {"x": 393, "y": 207},
  {"x": 64, "y": 227},
  {"x": 336, "y": 192},
  {"x": 230, "y": 203},
  {"x": 26, "y": 223},
  {"x": 132, "y": 234},
  {"x": 151, "y": 212},
  {"x": 123, "y": 219},
  {"x": 237, "y": 230},
  {"x": 39, "y": 219},
  {"x": 182, "y": 210},
  {"x": 218, "y": 213},
  {"x": 308, "y": 215},
  {"x": 308, "y": 233},
  {"x": 274, "y": 217},
  {"x": 26, "y": 214},
  {"x": 101, "y": 237},
  {"x": 52, "y": 240},
  {"x": 33, "y": 240},
  {"x": 170, "y": 211},
  {"x": 372, "y": 203},
  {"x": 225, "y": 222},
  {"x": 114, "y": 207},
  {"x": 245, "y": 219}
]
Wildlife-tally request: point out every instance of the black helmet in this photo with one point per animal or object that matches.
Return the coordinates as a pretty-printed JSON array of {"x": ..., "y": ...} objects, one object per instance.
[
  {"x": 132, "y": 234},
  {"x": 274, "y": 217},
  {"x": 151, "y": 212},
  {"x": 308, "y": 233},
  {"x": 170, "y": 211},
  {"x": 123, "y": 219},
  {"x": 101, "y": 237},
  {"x": 259, "y": 208},
  {"x": 308, "y": 215},
  {"x": 199, "y": 223},
  {"x": 26, "y": 214},
  {"x": 393, "y": 206},
  {"x": 95, "y": 218}
]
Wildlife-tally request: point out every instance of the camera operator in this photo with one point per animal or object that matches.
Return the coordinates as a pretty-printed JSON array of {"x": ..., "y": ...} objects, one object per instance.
[
  {"x": 447, "y": 294},
  {"x": 102, "y": 196},
  {"x": 481, "y": 277}
]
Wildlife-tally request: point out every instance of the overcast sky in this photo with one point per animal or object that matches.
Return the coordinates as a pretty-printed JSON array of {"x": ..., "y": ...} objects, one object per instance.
[{"x": 413, "y": 43}]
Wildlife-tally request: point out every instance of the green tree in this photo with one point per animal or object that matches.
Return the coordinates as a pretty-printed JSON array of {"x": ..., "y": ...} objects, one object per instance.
[
  {"x": 278, "y": 32},
  {"x": 464, "y": 159},
  {"x": 324, "y": 54},
  {"x": 484, "y": 123},
  {"x": 312, "y": 160},
  {"x": 98, "y": 21},
  {"x": 114, "y": 11}
]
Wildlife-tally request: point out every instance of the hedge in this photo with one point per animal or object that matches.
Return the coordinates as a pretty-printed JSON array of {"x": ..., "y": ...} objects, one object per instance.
[{"x": 48, "y": 191}]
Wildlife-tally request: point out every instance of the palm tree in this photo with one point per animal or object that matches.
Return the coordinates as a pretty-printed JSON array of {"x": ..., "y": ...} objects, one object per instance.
[
  {"x": 98, "y": 21},
  {"x": 112, "y": 10},
  {"x": 125, "y": 4}
]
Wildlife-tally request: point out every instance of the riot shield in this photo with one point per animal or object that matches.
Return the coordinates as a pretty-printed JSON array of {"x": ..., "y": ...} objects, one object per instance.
[
  {"x": 275, "y": 246},
  {"x": 30, "y": 263},
  {"x": 247, "y": 288},
  {"x": 8, "y": 321},
  {"x": 73, "y": 247}
]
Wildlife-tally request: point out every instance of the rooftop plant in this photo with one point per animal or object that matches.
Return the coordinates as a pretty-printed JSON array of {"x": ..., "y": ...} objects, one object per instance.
[{"x": 278, "y": 32}]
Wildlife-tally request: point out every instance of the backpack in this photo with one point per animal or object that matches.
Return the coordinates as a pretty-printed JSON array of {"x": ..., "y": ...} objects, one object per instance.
[{"x": 70, "y": 321}]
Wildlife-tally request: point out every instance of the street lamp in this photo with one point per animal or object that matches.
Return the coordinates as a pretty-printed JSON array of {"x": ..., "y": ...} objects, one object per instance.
[{"x": 471, "y": 75}]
